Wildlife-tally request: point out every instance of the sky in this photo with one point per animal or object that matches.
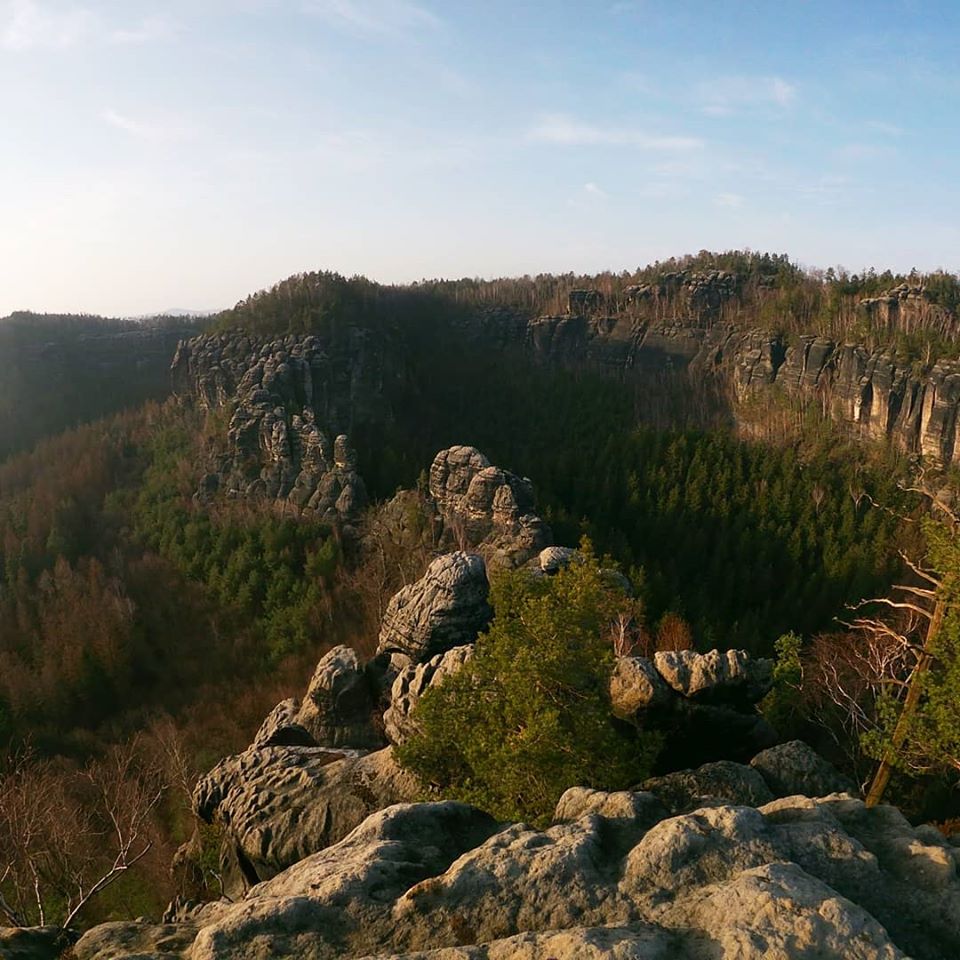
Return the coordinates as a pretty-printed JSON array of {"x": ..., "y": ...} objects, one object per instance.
[{"x": 185, "y": 153}]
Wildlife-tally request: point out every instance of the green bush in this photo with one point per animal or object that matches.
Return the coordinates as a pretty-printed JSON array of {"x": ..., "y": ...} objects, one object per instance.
[{"x": 529, "y": 715}]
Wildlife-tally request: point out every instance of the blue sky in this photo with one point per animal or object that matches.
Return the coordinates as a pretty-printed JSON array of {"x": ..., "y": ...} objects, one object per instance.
[{"x": 183, "y": 154}]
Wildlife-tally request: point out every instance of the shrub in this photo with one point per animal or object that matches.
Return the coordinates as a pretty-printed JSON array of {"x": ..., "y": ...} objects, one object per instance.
[{"x": 529, "y": 715}]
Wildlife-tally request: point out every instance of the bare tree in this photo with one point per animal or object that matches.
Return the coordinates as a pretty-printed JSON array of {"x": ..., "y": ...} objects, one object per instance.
[{"x": 67, "y": 835}]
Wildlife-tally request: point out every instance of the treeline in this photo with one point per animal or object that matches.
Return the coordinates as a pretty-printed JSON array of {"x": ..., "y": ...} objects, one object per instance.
[{"x": 762, "y": 290}]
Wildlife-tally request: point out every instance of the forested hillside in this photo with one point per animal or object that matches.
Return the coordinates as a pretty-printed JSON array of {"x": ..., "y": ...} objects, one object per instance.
[{"x": 59, "y": 371}]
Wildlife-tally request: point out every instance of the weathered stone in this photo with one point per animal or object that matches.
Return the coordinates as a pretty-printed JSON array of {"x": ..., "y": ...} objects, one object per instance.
[
  {"x": 282, "y": 729},
  {"x": 798, "y": 877},
  {"x": 413, "y": 682},
  {"x": 794, "y": 768},
  {"x": 636, "y": 686},
  {"x": 713, "y": 784},
  {"x": 554, "y": 559},
  {"x": 337, "y": 710},
  {"x": 490, "y": 509},
  {"x": 278, "y": 805},
  {"x": 446, "y": 608},
  {"x": 281, "y": 390},
  {"x": 717, "y": 676}
]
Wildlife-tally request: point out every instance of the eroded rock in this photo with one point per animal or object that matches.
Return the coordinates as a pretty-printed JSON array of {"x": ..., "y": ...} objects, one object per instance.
[{"x": 446, "y": 608}]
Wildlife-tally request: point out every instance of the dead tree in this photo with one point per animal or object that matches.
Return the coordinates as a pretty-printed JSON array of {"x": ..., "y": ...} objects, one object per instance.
[{"x": 67, "y": 835}]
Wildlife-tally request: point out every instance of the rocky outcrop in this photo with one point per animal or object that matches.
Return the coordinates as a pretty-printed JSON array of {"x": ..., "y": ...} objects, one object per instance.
[
  {"x": 277, "y": 805},
  {"x": 705, "y": 705},
  {"x": 445, "y": 608},
  {"x": 792, "y": 877},
  {"x": 412, "y": 683},
  {"x": 486, "y": 507},
  {"x": 794, "y": 768},
  {"x": 287, "y": 397},
  {"x": 717, "y": 676}
]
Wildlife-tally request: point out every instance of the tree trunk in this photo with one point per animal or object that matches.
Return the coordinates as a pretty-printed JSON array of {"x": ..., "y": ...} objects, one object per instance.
[{"x": 882, "y": 776}]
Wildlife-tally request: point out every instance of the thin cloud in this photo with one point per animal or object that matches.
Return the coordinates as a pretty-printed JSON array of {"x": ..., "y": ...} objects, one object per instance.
[
  {"x": 29, "y": 25},
  {"x": 887, "y": 129},
  {"x": 564, "y": 131},
  {"x": 25, "y": 25},
  {"x": 592, "y": 190},
  {"x": 143, "y": 130},
  {"x": 375, "y": 17},
  {"x": 151, "y": 29},
  {"x": 726, "y": 95},
  {"x": 730, "y": 200}
]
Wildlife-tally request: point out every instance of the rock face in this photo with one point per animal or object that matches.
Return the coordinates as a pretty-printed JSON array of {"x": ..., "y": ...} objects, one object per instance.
[
  {"x": 412, "y": 683},
  {"x": 288, "y": 395},
  {"x": 490, "y": 509},
  {"x": 695, "y": 321},
  {"x": 446, "y": 608},
  {"x": 614, "y": 876},
  {"x": 277, "y": 805}
]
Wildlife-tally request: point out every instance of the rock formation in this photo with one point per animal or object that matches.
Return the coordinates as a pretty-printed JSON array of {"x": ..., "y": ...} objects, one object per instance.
[
  {"x": 446, "y": 608},
  {"x": 287, "y": 396},
  {"x": 706, "y": 704},
  {"x": 413, "y": 682},
  {"x": 489, "y": 509},
  {"x": 744, "y": 877}
]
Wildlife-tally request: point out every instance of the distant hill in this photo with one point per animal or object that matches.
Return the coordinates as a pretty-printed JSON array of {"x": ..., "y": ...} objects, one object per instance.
[{"x": 60, "y": 370}]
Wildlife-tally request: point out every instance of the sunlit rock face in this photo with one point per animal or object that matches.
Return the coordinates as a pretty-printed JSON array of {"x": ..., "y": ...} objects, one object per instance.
[{"x": 716, "y": 862}]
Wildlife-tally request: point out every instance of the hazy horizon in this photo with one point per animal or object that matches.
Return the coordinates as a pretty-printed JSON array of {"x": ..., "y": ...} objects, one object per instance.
[{"x": 191, "y": 153}]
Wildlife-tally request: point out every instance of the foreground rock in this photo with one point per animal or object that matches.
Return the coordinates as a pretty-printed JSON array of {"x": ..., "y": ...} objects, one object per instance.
[
  {"x": 794, "y": 877},
  {"x": 446, "y": 608},
  {"x": 277, "y": 805}
]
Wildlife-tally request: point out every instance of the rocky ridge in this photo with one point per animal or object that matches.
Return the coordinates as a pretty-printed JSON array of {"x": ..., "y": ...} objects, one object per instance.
[{"x": 744, "y": 872}]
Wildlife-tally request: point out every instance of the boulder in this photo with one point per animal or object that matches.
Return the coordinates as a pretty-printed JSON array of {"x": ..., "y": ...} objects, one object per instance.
[
  {"x": 793, "y": 768},
  {"x": 636, "y": 686},
  {"x": 281, "y": 728},
  {"x": 722, "y": 677},
  {"x": 446, "y": 608},
  {"x": 412, "y": 683},
  {"x": 628, "y": 815},
  {"x": 337, "y": 710},
  {"x": 713, "y": 784},
  {"x": 553, "y": 559}
]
